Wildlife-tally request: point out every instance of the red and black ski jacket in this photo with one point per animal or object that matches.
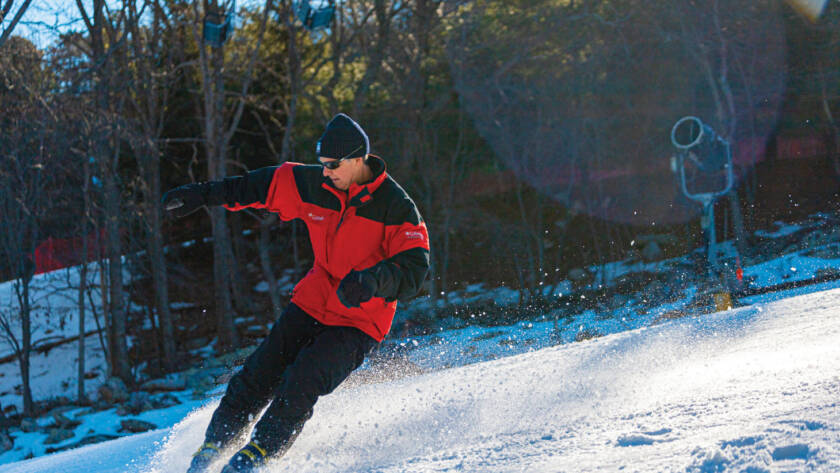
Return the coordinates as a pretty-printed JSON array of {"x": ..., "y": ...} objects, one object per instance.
[{"x": 373, "y": 226}]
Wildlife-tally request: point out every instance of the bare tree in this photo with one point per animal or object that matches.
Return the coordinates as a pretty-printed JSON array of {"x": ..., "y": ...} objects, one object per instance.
[
  {"x": 27, "y": 175},
  {"x": 374, "y": 47},
  {"x": 80, "y": 119},
  {"x": 83, "y": 275},
  {"x": 7, "y": 22},
  {"x": 153, "y": 63},
  {"x": 221, "y": 115},
  {"x": 106, "y": 39}
]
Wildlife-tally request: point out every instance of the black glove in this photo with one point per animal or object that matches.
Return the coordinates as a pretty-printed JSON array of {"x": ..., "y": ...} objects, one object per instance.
[
  {"x": 356, "y": 287},
  {"x": 184, "y": 200}
]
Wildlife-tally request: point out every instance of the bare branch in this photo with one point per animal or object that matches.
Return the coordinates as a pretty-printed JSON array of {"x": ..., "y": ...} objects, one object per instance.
[
  {"x": 84, "y": 14},
  {"x": 5, "y": 11}
]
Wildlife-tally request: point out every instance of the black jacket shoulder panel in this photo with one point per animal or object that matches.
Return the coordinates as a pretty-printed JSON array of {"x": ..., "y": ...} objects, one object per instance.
[
  {"x": 390, "y": 205},
  {"x": 377, "y": 208},
  {"x": 402, "y": 209},
  {"x": 309, "y": 180}
]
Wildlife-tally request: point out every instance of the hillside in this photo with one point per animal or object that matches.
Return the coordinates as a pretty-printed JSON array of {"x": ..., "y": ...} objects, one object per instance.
[{"x": 751, "y": 389}]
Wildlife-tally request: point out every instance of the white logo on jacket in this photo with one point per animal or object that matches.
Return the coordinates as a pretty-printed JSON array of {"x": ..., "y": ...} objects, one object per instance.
[
  {"x": 412, "y": 235},
  {"x": 317, "y": 218}
]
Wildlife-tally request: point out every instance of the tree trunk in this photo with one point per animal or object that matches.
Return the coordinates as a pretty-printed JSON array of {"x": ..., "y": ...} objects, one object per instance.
[
  {"x": 119, "y": 349},
  {"x": 217, "y": 134},
  {"x": 106, "y": 151},
  {"x": 214, "y": 106},
  {"x": 443, "y": 258},
  {"x": 80, "y": 393},
  {"x": 265, "y": 263},
  {"x": 102, "y": 343},
  {"x": 294, "y": 90},
  {"x": 106, "y": 309},
  {"x": 374, "y": 64},
  {"x": 242, "y": 301},
  {"x": 158, "y": 267},
  {"x": 225, "y": 327},
  {"x": 26, "y": 349},
  {"x": 109, "y": 155},
  {"x": 533, "y": 230}
]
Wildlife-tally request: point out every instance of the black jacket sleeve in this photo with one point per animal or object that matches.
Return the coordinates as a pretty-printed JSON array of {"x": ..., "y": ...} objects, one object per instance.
[
  {"x": 402, "y": 274},
  {"x": 241, "y": 190}
]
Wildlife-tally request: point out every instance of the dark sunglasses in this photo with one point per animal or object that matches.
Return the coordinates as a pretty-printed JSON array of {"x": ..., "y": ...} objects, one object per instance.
[{"x": 331, "y": 165}]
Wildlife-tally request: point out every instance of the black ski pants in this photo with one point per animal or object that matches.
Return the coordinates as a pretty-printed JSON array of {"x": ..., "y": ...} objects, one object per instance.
[{"x": 300, "y": 360}]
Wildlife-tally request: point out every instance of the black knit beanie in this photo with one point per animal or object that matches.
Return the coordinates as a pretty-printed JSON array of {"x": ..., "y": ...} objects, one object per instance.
[{"x": 343, "y": 138}]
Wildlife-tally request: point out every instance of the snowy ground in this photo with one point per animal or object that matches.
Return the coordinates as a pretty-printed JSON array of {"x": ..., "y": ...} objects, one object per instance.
[
  {"x": 753, "y": 389},
  {"x": 55, "y": 316}
]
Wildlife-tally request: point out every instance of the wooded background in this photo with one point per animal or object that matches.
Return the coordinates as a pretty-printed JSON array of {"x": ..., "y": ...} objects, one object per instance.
[{"x": 532, "y": 134}]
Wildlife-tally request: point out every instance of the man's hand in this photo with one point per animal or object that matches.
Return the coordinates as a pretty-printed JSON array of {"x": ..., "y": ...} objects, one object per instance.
[
  {"x": 184, "y": 200},
  {"x": 356, "y": 287}
]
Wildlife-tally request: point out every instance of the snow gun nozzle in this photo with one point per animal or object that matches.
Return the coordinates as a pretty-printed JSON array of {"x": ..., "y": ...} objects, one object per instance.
[{"x": 174, "y": 204}]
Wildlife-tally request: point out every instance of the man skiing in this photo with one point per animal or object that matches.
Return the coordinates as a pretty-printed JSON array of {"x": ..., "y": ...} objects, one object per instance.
[{"x": 371, "y": 248}]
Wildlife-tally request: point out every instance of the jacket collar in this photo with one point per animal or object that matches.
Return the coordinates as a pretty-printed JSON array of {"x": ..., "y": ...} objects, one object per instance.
[{"x": 360, "y": 194}]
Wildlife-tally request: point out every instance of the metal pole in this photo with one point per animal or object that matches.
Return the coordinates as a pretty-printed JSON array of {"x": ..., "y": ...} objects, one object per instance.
[{"x": 710, "y": 232}]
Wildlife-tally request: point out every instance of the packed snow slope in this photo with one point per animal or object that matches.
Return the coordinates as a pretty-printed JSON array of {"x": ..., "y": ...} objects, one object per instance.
[{"x": 753, "y": 389}]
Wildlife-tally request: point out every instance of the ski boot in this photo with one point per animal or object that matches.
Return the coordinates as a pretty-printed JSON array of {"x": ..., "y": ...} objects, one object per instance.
[
  {"x": 246, "y": 460},
  {"x": 206, "y": 454}
]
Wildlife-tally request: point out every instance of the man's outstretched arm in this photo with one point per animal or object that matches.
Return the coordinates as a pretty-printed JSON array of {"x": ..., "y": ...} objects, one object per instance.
[{"x": 269, "y": 187}]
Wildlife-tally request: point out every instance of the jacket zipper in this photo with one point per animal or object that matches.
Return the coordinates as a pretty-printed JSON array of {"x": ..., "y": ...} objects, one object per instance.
[
  {"x": 340, "y": 220},
  {"x": 344, "y": 205},
  {"x": 344, "y": 208}
]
